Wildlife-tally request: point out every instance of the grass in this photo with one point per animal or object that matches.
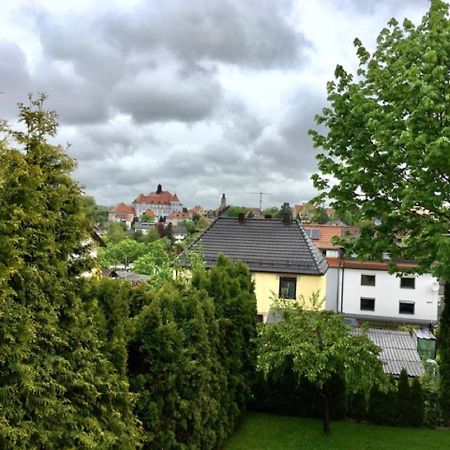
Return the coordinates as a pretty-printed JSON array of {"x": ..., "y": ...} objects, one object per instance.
[{"x": 268, "y": 432}]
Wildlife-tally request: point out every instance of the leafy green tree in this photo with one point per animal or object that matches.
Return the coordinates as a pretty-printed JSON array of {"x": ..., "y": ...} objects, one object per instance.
[
  {"x": 146, "y": 218},
  {"x": 320, "y": 216},
  {"x": 318, "y": 346},
  {"x": 96, "y": 214},
  {"x": 116, "y": 232},
  {"x": 58, "y": 387},
  {"x": 156, "y": 261},
  {"x": 387, "y": 150},
  {"x": 123, "y": 252},
  {"x": 285, "y": 211},
  {"x": 274, "y": 212},
  {"x": 234, "y": 211}
]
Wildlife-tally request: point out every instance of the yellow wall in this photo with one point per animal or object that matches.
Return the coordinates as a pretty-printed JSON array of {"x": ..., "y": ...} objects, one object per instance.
[{"x": 267, "y": 285}]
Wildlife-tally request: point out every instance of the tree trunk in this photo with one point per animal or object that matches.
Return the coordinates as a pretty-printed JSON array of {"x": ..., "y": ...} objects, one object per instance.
[{"x": 326, "y": 411}]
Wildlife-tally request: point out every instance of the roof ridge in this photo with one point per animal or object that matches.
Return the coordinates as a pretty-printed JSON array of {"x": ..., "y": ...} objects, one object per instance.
[{"x": 312, "y": 247}]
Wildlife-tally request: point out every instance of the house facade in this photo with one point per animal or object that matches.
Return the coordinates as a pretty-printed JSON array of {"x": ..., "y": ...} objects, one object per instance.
[
  {"x": 122, "y": 213},
  {"x": 162, "y": 203},
  {"x": 281, "y": 257},
  {"x": 365, "y": 290}
]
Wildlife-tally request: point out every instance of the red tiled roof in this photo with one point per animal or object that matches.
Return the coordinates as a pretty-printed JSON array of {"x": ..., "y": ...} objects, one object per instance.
[
  {"x": 122, "y": 208},
  {"x": 327, "y": 232},
  {"x": 124, "y": 216},
  {"x": 179, "y": 215},
  {"x": 163, "y": 198}
]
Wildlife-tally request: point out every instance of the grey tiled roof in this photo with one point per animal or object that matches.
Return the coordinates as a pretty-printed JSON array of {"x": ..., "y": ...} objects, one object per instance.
[
  {"x": 398, "y": 351},
  {"x": 265, "y": 245}
]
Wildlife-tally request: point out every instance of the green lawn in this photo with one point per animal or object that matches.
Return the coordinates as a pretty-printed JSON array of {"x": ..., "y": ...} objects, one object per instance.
[{"x": 269, "y": 432}]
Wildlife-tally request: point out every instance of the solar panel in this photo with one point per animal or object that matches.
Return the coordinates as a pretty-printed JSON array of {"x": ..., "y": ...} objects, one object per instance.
[{"x": 312, "y": 233}]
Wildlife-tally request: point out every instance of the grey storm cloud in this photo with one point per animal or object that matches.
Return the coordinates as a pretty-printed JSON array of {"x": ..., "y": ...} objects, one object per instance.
[
  {"x": 189, "y": 94},
  {"x": 157, "y": 62},
  {"x": 289, "y": 148},
  {"x": 253, "y": 33},
  {"x": 167, "y": 97},
  {"x": 14, "y": 78}
]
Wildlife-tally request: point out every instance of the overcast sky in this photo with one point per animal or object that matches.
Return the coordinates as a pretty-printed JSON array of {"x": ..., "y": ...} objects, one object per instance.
[{"x": 202, "y": 96}]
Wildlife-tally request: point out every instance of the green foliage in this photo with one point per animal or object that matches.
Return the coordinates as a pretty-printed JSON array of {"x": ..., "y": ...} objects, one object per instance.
[
  {"x": 319, "y": 347},
  {"x": 96, "y": 214},
  {"x": 116, "y": 232},
  {"x": 285, "y": 211},
  {"x": 357, "y": 405},
  {"x": 382, "y": 406},
  {"x": 58, "y": 388},
  {"x": 282, "y": 393},
  {"x": 155, "y": 261},
  {"x": 123, "y": 253},
  {"x": 416, "y": 404},
  {"x": 444, "y": 354},
  {"x": 234, "y": 211},
  {"x": 387, "y": 151},
  {"x": 274, "y": 212},
  {"x": 191, "y": 357},
  {"x": 387, "y": 144},
  {"x": 320, "y": 216},
  {"x": 403, "y": 399}
]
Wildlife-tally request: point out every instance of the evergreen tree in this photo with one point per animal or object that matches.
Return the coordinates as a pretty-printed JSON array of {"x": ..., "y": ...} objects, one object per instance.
[
  {"x": 403, "y": 399},
  {"x": 58, "y": 389},
  {"x": 357, "y": 405},
  {"x": 417, "y": 404}
]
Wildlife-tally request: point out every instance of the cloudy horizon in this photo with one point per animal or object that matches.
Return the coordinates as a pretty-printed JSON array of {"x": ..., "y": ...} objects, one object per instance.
[{"x": 202, "y": 96}]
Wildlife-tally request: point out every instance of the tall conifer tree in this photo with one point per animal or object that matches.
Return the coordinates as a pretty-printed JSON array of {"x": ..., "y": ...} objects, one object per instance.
[{"x": 58, "y": 389}]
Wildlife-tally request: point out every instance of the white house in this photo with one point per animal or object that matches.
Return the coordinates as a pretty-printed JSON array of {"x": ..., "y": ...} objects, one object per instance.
[{"x": 366, "y": 290}]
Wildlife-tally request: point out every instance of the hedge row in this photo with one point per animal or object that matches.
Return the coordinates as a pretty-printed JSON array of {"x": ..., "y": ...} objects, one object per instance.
[
  {"x": 403, "y": 405},
  {"x": 189, "y": 353}
]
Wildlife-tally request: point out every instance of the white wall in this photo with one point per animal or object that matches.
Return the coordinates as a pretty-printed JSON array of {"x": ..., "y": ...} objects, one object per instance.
[{"x": 387, "y": 294}]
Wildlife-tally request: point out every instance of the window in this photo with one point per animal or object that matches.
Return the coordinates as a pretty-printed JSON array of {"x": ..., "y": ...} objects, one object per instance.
[
  {"x": 367, "y": 280},
  {"x": 406, "y": 308},
  {"x": 260, "y": 318},
  {"x": 367, "y": 304},
  {"x": 407, "y": 283},
  {"x": 288, "y": 287}
]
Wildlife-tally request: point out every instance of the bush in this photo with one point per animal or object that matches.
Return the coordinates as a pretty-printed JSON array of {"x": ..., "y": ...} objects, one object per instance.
[
  {"x": 357, "y": 406},
  {"x": 191, "y": 357}
]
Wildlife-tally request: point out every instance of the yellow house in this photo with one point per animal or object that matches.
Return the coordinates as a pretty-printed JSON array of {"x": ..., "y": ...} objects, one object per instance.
[{"x": 280, "y": 255}]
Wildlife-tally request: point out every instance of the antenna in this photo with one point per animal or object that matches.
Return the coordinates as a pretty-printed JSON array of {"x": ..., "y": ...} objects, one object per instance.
[{"x": 260, "y": 197}]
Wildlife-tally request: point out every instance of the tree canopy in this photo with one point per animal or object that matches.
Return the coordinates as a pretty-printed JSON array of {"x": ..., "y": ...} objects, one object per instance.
[
  {"x": 386, "y": 152},
  {"x": 386, "y": 146},
  {"x": 317, "y": 346}
]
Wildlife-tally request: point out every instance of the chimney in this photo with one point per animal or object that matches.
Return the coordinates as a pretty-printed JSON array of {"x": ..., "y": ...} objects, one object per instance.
[
  {"x": 241, "y": 218},
  {"x": 286, "y": 219},
  {"x": 159, "y": 189},
  {"x": 267, "y": 216}
]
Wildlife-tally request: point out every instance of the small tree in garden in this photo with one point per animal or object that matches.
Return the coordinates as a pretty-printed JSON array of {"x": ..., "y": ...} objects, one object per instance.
[
  {"x": 318, "y": 346},
  {"x": 404, "y": 399},
  {"x": 417, "y": 404}
]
